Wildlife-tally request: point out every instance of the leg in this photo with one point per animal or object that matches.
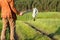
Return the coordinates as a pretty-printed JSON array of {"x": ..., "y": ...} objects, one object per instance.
[
  {"x": 12, "y": 29},
  {"x": 34, "y": 19},
  {"x": 3, "y": 33}
]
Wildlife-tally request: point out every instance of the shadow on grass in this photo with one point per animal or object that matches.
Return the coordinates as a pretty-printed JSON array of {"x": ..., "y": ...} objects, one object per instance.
[
  {"x": 56, "y": 33},
  {"x": 40, "y": 31},
  {"x": 16, "y": 36}
]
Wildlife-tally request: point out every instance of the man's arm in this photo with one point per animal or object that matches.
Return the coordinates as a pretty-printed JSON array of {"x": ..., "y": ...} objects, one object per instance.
[
  {"x": 0, "y": 4},
  {"x": 13, "y": 8}
]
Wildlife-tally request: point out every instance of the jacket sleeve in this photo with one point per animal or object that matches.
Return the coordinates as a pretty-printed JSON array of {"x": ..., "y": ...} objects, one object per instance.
[
  {"x": 0, "y": 4},
  {"x": 13, "y": 8}
]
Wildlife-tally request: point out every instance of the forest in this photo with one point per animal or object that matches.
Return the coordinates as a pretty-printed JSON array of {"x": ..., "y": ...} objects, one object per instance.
[{"x": 41, "y": 5}]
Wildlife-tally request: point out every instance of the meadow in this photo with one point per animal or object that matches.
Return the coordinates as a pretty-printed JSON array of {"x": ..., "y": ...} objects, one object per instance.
[{"x": 47, "y": 22}]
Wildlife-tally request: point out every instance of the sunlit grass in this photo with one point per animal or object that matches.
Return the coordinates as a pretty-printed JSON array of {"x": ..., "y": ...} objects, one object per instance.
[
  {"x": 48, "y": 22},
  {"x": 41, "y": 15}
]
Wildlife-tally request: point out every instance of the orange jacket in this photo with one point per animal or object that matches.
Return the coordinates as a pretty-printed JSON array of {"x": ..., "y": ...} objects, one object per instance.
[{"x": 5, "y": 9}]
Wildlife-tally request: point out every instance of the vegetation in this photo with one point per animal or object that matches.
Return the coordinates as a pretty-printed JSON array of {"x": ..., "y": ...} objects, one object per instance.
[
  {"x": 41, "y": 15},
  {"x": 41, "y": 5},
  {"x": 48, "y": 22}
]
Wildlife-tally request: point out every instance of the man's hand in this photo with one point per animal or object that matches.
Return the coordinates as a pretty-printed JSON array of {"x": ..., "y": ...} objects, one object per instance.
[{"x": 21, "y": 13}]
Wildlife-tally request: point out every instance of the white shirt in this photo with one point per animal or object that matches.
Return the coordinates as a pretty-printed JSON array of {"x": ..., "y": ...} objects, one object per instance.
[{"x": 35, "y": 12}]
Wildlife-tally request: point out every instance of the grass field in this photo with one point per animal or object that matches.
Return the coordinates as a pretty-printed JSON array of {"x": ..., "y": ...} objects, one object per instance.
[
  {"x": 41, "y": 15},
  {"x": 48, "y": 22}
]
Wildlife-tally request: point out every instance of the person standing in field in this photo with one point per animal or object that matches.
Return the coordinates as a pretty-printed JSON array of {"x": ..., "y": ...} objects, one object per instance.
[
  {"x": 8, "y": 14},
  {"x": 35, "y": 12}
]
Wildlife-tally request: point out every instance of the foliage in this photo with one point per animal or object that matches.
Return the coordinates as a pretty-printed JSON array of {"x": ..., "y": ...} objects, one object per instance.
[{"x": 41, "y": 5}]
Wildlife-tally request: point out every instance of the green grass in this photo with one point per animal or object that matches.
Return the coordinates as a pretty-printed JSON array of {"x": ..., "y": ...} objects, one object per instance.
[
  {"x": 53, "y": 15},
  {"x": 49, "y": 26},
  {"x": 48, "y": 22},
  {"x": 28, "y": 33},
  {"x": 41, "y": 15},
  {"x": 0, "y": 26}
]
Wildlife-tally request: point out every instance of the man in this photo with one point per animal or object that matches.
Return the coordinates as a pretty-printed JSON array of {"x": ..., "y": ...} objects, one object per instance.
[
  {"x": 8, "y": 17},
  {"x": 35, "y": 12}
]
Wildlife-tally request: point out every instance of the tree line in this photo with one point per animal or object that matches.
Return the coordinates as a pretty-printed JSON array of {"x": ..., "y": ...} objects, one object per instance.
[{"x": 41, "y": 5}]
